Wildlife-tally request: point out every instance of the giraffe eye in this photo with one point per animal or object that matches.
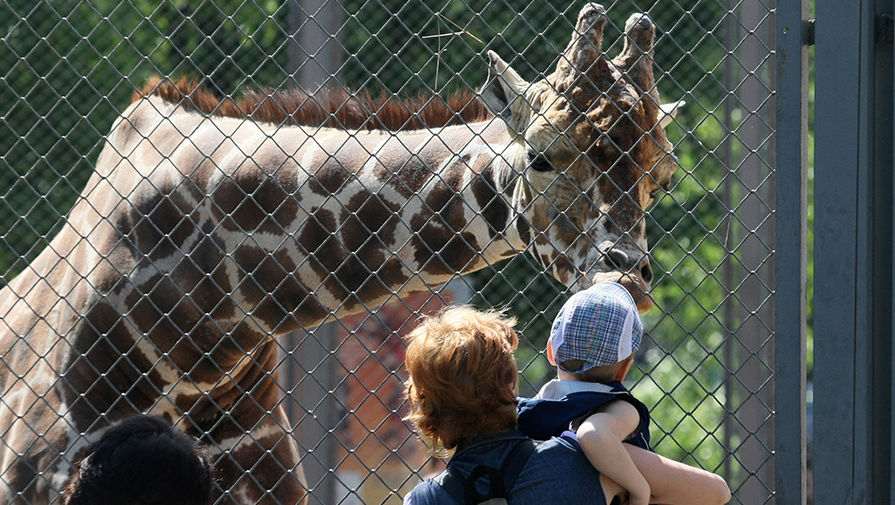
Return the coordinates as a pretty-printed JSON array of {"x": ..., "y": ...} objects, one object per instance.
[{"x": 539, "y": 162}]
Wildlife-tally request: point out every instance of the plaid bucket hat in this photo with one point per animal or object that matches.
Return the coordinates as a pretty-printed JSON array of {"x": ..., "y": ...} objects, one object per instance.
[{"x": 600, "y": 326}]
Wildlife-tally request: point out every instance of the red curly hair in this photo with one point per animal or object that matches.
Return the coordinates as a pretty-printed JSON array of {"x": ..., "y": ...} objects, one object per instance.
[{"x": 462, "y": 376}]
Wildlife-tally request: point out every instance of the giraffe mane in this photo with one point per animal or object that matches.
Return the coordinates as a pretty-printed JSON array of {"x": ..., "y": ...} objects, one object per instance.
[{"x": 335, "y": 107}]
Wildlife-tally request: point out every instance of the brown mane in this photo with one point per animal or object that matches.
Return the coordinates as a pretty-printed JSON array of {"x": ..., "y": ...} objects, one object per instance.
[{"x": 334, "y": 108}]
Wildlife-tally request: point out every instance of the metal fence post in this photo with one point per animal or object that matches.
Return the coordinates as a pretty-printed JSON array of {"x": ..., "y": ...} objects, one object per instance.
[
  {"x": 853, "y": 262},
  {"x": 315, "y": 57},
  {"x": 791, "y": 223},
  {"x": 753, "y": 385}
]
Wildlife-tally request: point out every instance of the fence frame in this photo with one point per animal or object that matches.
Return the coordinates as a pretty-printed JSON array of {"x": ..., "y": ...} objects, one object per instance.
[
  {"x": 853, "y": 263},
  {"x": 790, "y": 251}
]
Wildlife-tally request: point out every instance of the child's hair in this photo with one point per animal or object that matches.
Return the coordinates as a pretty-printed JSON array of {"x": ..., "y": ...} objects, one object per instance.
[
  {"x": 141, "y": 461},
  {"x": 462, "y": 376},
  {"x": 602, "y": 374}
]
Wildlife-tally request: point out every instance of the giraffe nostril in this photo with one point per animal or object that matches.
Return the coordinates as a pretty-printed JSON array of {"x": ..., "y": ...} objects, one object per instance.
[
  {"x": 646, "y": 272},
  {"x": 620, "y": 260},
  {"x": 617, "y": 258}
]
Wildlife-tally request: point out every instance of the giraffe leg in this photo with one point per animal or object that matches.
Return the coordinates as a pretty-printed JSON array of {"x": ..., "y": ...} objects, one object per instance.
[{"x": 258, "y": 467}]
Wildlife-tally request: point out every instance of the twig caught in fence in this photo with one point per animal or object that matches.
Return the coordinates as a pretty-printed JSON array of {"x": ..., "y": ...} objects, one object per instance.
[{"x": 438, "y": 36}]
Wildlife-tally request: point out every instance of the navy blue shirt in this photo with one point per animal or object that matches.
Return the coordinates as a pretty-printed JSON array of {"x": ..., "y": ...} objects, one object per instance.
[{"x": 556, "y": 472}]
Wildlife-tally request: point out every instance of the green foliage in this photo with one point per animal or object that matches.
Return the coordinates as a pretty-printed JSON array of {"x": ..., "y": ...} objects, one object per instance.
[{"x": 69, "y": 68}]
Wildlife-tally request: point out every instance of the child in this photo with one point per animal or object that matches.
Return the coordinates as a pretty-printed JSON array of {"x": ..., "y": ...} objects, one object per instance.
[{"x": 592, "y": 344}]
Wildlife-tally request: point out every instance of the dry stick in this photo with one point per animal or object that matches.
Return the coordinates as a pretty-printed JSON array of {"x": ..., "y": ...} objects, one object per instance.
[
  {"x": 449, "y": 34},
  {"x": 439, "y": 35},
  {"x": 464, "y": 30}
]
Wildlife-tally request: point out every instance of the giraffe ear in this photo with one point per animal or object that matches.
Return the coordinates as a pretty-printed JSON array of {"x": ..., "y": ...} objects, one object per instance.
[
  {"x": 667, "y": 111},
  {"x": 504, "y": 93}
]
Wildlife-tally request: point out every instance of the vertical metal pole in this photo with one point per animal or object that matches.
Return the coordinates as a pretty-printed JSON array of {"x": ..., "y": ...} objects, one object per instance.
[
  {"x": 891, "y": 134},
  {"x": 729, "y": 265},
  {"x": 882, "y": 333},
  {"x": 317, "y": 409},
  {"x": 791, "y": 220},
  {"x": 853, "y": 260},
  {"x": 315, "y": 57},
  {"x": 838, "y": 126},
  {"x": 753, "y": 387}
]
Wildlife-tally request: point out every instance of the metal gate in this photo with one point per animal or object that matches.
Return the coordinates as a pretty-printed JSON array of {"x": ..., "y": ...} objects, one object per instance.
[{"x": 727, "y": 238}]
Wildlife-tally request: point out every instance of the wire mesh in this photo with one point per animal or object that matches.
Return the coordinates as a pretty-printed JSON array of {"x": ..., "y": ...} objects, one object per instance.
[{"x": 102, "y": 325}]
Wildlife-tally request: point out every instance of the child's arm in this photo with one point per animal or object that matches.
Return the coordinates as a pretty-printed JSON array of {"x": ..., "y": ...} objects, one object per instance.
[
  {"x": 673, "y": 483},
  {"x": 600, "y": 437}
]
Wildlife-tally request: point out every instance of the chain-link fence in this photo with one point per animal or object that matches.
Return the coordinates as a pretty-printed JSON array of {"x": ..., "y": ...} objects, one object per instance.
[{"x": 251, "y": 279}]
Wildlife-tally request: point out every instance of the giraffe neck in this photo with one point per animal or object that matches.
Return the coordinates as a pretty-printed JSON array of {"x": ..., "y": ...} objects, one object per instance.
[{"x": 393, "y": 214}]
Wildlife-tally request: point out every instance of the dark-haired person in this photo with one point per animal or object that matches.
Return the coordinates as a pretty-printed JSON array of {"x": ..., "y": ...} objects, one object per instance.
[
  {"x": 140, "y": 461},
  {"x": 462, "y": 394}
]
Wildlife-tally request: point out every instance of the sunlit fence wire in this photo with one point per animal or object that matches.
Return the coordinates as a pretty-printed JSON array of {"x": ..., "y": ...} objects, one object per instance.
[{"x": 68, "y": 71}]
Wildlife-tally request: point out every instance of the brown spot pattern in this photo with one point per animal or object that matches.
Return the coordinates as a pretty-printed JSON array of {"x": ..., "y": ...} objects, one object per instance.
[
  {"x": 441, "y": 246},
  {"x": 494, "y": 209}
]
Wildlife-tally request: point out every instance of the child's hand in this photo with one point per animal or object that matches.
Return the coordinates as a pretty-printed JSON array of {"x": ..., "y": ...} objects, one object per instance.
[{"x": 640, "y": 495}]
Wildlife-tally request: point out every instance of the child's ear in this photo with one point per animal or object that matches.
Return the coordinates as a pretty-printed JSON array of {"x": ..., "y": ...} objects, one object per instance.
[
  {"x": 550, "y": 352},
  {"x": 626, "y": 367}
]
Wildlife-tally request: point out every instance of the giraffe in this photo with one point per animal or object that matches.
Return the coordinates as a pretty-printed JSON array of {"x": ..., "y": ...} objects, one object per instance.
[{"x": 212, "y": 226}]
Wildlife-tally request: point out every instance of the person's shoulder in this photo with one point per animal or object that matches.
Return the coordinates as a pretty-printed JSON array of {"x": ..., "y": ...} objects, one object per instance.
[
  {"x": 428, "y": 492},
  {"x": 622, "y": 394},
  {"x": 541, "y": 418}
]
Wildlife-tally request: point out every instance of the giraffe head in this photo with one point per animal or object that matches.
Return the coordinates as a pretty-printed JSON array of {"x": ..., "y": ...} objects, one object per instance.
[{"x": 589, "y": 145}]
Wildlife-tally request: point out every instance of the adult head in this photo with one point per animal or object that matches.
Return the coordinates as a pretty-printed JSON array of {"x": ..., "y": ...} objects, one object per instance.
[
  {"x": 462, "y": 376},
  {"x": 140, "y": 461}
]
